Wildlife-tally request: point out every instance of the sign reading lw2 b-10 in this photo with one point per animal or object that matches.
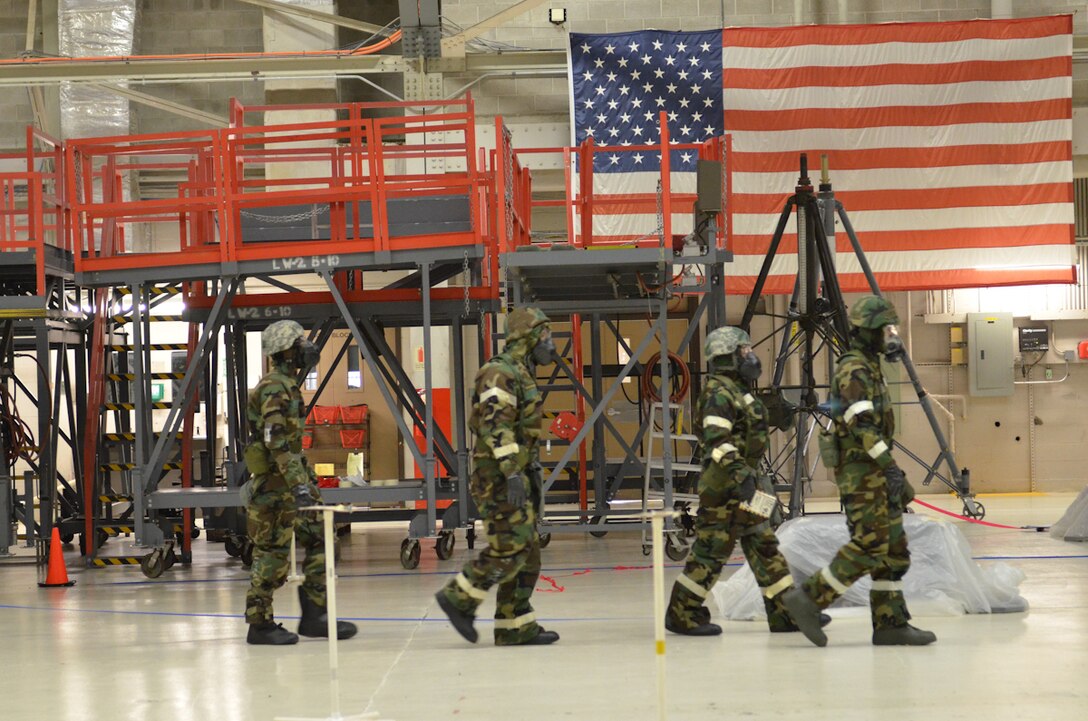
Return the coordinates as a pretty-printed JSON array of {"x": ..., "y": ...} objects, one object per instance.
[{"x": 252, "y": 312}]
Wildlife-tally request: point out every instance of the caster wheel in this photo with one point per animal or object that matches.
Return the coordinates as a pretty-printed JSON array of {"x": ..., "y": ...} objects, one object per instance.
[
  {"x": 675, "y": 549},
  {"x": 195, "y": 533},
  {"x": 233, "y": 546},
  {"x": 170, "y": 559},
  {"x": 545, "y": 539},
  {"x": 443, "y": 547},
  {"x": 597, "y": 521},
  {"x": 153, "y": 564},
  {"x": 647, "y": 550},
  {"x": 247, "y": 554},
  {"x": 409, "y": 553},
  {"x": 67, "y": 537},
  {"x": 979, "y": 514}
]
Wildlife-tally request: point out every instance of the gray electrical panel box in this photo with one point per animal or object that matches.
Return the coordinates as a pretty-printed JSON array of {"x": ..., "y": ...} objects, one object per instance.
[{"x": 989, "y": 353}]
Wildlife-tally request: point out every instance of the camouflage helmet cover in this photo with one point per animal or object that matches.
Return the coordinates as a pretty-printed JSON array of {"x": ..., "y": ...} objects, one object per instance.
[
  {"x": 725, "y": 341},
  {"x": 872, "y": 312},
  {"x": 280, "y": 336},
  {"x": 521, "y": 322}
]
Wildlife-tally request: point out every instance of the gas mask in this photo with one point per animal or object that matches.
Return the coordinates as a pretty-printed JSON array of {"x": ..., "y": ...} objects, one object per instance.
[
  {"x": 748, "y": 365},
  {"x": 893, "y": 344},
  {"x": 544, "y": 351},
  {"x": 306, "y": 354}
]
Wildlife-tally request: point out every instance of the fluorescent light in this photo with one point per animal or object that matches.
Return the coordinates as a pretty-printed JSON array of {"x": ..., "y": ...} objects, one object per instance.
[{"x": 557, "y": 16}]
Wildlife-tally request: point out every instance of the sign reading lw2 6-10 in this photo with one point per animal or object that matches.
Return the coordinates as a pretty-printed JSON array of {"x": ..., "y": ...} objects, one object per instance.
[{"x": 304, "y": 262}]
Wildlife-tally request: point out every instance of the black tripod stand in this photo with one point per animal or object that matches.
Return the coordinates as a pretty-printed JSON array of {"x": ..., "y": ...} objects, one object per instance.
[{"x": 816, "y": 322}]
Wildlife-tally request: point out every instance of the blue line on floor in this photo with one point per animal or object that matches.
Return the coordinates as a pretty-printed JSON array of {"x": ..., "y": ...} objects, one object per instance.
[
  {"x": 366, "y": 619},
  {"x": 1024, "y": 558}
]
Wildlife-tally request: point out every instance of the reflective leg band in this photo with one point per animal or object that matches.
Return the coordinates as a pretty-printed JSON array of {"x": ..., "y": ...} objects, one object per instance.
[
  {"x": 465, "y": 585},
  {"x": 692, "y": 586},
  {"x": 835, "y": 583},
  {"x": 878, "y": 448},
  {"x": 859, "y": 407},
  {"x": 887, "y": 585},
  {"x": 717, "y": 422},
  {"x": 778, "y": 587},
  {"x": 511, "y": 624}
]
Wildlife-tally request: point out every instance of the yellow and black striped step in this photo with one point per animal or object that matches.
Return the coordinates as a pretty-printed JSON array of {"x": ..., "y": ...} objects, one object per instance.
[
  {"x": 122, "y": 319},
  {"x": 152, "y": 346},
  {"x": 130, "y": 466},
  {"x": 114, "y": 529},
  {"x": 132, "y": 406},
  {"x": 154, "y": 376},
  {"x": 115, "y": 561},
  {"x": 168, "y": 290},
  {"x": 114, "y": 498},
  {"x": 119, "y": 437}
]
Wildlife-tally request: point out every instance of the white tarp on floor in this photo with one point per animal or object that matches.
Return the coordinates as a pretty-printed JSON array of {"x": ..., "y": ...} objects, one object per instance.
[
  {"x": 943, "y": 578},
  {"x": 1073, "y": 526}
]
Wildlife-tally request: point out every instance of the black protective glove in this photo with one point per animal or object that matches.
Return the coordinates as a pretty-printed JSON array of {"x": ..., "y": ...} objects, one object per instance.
[
  {"x": 897, "y": 481},
  {"x": 305, "y": 495},
  {"x": 746, "y": 489},
  {"x": 516, "y": 492},
  {"x": 536, "y": 477}
]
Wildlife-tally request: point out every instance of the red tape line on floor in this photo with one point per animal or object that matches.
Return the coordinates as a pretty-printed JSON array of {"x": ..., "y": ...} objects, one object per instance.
[
  {"x": 969, "y": 520},
  {"x": 556, "y": 588}
]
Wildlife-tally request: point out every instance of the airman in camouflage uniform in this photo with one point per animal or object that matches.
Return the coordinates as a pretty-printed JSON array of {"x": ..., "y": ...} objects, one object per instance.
[
  {"x": 281, "y": 483},
  {"x": 733, "y": 428},
  {"x": 873, "y": 489},
  {"x": 505, "y": 484}
]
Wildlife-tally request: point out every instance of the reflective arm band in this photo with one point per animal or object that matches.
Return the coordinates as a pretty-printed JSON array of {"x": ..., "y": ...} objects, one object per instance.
[
  {"x": 722, "y": 451},
  {"x": 855, "y": 409},
  {"x": 879, "y": 448},
  {"x": 749, "y": 399},
  {"x": 717, "y": 422},
  {"x": 508, "y": 450},
  {"x": 887, "y": 585},
  {"x": 503, "y": 396}
]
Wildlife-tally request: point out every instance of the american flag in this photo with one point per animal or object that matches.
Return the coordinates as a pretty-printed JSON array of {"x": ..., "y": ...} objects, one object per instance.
[
  {"x": 621, "y": 83},
  {"x": 950, "y": 146}
]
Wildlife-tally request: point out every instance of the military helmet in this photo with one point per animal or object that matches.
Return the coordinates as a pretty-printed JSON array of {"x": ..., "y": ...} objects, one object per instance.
[
  {"x": 521, "y": 322},
  {"x": 872, "y": 312},
  {"x": 280, "y": 336},
  {"x": 724, "y": 341}
]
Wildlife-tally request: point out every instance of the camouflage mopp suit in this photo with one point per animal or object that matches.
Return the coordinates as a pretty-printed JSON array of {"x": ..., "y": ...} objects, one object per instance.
[
  {"x": 873, "y": 489},
  {"x": 506, "y": 418},
  {"x": 733, "y": 436}
]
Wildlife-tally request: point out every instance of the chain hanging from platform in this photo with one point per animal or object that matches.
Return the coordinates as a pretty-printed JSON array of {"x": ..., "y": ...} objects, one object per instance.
[{"x": 315, "y": 212}]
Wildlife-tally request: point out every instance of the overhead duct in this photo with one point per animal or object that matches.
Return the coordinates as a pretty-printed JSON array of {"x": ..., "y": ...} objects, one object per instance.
[{"x": 94, "y": 28}]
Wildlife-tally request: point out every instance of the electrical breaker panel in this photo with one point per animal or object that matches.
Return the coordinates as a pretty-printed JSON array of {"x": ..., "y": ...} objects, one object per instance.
[{"x": 989, "y": 354}]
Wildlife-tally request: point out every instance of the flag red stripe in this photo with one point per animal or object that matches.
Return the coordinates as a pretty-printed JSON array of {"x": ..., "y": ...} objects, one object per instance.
[
  {"x": 898, "y": 74},
  {"x": 781, "y": 37},
  {"x": 907, "y": 157},
  {"x": 921, "y": 198},
  {"x": 938, "y": 116},
  {"x": 938, "y": 280},
  {"x": 945, "y": 239}
]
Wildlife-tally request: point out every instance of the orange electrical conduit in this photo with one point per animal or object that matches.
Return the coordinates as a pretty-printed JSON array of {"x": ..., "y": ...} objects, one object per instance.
[{"x": 366, "y": 50}]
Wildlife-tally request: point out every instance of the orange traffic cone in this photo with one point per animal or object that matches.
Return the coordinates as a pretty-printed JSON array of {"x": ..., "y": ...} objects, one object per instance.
[{"x": 56, "y": 574}]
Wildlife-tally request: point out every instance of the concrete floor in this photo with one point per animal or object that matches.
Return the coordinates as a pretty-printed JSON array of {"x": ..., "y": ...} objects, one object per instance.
[{"x": 118, "y": 646}]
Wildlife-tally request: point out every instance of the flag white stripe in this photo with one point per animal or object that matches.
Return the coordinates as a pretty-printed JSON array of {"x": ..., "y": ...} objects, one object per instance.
[
  {"x": 895, "y": 53},
  {"x": 879, "y": 96},
  {"x": 953, "y": 176},
  {"x": 999, "y": 216},
  {"x": 642, "y": 182},
  {"x": 638, "y": 223},
  {"x": 895, "y": 136},
  {"x": 905, "y": 261}
]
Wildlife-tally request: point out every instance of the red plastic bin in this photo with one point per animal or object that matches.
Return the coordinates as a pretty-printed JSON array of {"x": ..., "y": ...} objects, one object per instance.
[
  {"x": 328, "y": 482},
  {"x": 354, "y": 414},
  {"x": 352, "y": 438},
  {"x": 324, "y": 415}
]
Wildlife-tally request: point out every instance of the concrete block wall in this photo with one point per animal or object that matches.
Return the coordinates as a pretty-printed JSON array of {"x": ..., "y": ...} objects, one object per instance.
[
  {"x": 15, "y": 113},
  {"x": 167, "y": 27}
]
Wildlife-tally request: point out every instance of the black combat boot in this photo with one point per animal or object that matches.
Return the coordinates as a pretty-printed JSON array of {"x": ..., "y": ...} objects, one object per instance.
[
  {"x": 315, "y": 621},
  {"x": 806, "y": 614},
  {"x": 462, "y": 622},
  {"x": 270, "y": 634},
  {"x": 778, "y": 618},
  {"x": 541, "y": 639},
  {"x": 905, "y": 635}
]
